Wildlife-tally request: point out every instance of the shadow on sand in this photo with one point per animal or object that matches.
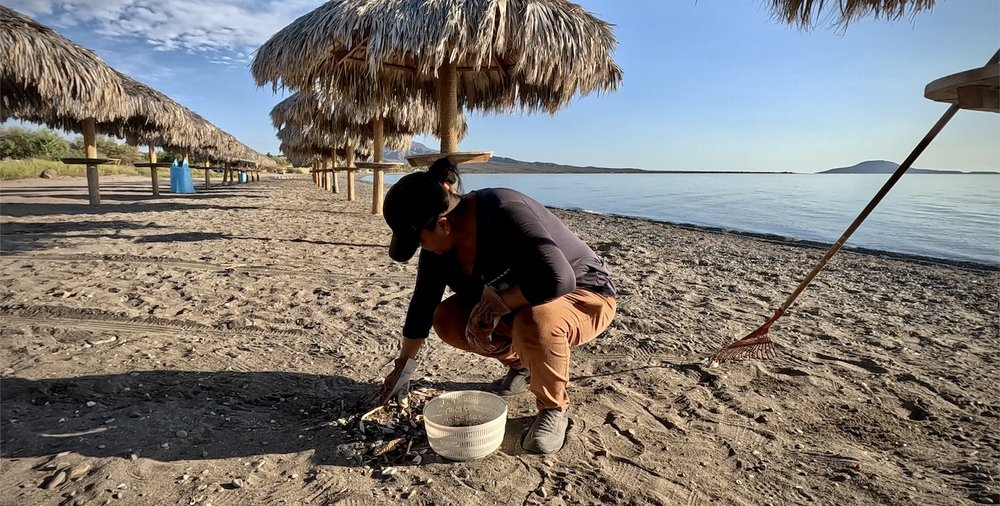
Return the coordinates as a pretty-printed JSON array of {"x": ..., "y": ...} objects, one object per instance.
[
  {"x": 24, "y": 237},
  {"x": 187, "y": 415}
]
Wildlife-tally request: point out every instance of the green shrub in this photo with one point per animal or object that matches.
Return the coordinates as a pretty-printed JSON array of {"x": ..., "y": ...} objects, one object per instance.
[
  {"x": 20, "y": 143},
  {"x": 110, "y": 148}
]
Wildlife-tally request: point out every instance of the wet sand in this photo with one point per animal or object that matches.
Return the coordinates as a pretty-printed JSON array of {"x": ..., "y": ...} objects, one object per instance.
[{"x": 219, "y": 348}]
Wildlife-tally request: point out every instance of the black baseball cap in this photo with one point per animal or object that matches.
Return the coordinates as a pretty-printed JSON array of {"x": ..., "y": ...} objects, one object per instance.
[{"x": 414, "y": 203}]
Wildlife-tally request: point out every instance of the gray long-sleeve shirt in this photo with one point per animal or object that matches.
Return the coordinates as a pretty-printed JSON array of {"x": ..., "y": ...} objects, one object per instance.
[{"x": 518, "y": 243}]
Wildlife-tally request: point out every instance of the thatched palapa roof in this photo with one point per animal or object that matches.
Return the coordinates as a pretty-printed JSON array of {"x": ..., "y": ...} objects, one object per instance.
[
  {"x": 326, "y": 109},
  {"x": 44, "y": 74},
  {"x": 357, "y": 136},
  {"x": 806, "y": 12},
  {"x": 528, "y": 54}
]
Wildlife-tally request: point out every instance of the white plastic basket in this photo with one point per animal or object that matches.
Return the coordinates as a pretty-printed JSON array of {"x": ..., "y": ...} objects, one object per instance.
[{"x": 465, "y": 425}]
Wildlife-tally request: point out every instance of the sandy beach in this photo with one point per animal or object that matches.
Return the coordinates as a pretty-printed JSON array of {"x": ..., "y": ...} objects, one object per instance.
[{"x": 219, "y": 348}]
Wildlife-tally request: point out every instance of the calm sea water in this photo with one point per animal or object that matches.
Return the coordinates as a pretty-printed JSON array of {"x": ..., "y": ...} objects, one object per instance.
[{"x": 944, "y": 216}]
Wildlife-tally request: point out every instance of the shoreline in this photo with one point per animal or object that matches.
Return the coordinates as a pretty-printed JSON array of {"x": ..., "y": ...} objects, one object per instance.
[
  {"x": 805, "y": 243},
  {"x": 763, "y": 236},
  {"x": 793, "y": 241}
]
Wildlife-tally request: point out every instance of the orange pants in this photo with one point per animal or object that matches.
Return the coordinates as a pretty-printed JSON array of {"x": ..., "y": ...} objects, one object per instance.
[{"x": 536, "y": 337}]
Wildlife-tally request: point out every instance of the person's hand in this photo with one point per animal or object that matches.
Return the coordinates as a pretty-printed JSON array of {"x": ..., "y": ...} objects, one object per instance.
[
  {"x": 484, "y": 319},
  {"x": 397, "y": 383}
]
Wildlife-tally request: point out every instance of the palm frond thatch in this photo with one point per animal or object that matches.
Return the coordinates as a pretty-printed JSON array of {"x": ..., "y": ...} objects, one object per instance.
[
  {"x": 326, "y": 110},
  {"x": 805, "y": 13},
  {"x": 527, "y": 54},
  {"x": 42, "y": 74},
  {"x": 307, "y": 137}
]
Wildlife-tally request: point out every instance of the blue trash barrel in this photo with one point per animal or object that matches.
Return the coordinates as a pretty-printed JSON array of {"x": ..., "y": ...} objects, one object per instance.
[{"x": 180, "y": 178}]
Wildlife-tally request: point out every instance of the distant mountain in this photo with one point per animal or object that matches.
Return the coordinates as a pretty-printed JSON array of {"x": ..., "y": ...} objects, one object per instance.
[
  {"x": 399, "y": 156},
  {"x": 504, "y": 165},
  {"x": 887, "y": 167}
]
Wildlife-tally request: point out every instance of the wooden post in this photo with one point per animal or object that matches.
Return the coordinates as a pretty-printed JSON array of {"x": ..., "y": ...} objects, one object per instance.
[
  {"x": 448, "y": 108},
  {"x": 378, "y": 175},
  {"x": 208, "y": 164},
  {"x": 349, "y": 163},
  {"x": 154, "y": 173},
  {"x": 90, "y": 151},
  {"x": 333, "y": 172},
  {"x": 327, "y": 165},
  {"x": 379, "y": 183}
]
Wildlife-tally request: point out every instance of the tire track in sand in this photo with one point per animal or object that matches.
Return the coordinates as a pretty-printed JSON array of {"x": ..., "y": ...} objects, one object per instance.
[
  {"x": 97, "y": 320},
  {"x": 268, "y": 270}
]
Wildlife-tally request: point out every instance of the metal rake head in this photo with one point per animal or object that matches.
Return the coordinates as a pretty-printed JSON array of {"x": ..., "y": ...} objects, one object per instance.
[{"x": 757, "y": 344}]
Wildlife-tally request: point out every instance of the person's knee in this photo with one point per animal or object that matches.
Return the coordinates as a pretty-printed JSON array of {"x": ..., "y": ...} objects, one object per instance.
[{"x": 446, "y": 321}]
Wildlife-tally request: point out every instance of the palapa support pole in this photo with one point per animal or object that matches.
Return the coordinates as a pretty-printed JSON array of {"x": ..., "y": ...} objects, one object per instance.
[
  {"x": 758, "y": 344},
  {"x": 327, "y": 180},
  {"x": 378, "y": 174},
  {"x": 349, "y": 163},
  {"x": 154, "y": 172},
  {"x": 90, "y": 151},
  {"x": 208, "y": 165},
  {"x": 448, "y": 107},
  {"x": 333, "y": 170}
]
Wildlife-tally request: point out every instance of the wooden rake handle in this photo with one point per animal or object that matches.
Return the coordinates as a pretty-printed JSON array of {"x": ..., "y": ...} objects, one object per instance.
[
  {"x": 758, "y": 343},
  {"x": 878, "y": 197}
]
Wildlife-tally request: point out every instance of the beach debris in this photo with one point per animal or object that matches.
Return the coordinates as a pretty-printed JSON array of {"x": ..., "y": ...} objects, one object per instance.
[
  {"x": 79, "y": 470},
  {"x": 388, "y": 434},
  {"x": 103, "y": 341},
  {"x": 388, "y": 446},
  {"x": 55, "y": 480}
]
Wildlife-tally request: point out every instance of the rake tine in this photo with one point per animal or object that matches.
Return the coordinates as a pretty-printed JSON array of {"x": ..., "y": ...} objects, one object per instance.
[{"x": 757, "y": 344}]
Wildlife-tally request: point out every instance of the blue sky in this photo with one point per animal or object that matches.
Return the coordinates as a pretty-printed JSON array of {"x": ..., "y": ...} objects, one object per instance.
[{"x": 709, "y": 84}]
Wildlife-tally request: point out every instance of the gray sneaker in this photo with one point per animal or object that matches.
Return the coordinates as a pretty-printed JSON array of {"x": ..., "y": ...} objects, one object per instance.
[
  {"x": 515, "y": 382},
  {"x": 548, "y": 433}
]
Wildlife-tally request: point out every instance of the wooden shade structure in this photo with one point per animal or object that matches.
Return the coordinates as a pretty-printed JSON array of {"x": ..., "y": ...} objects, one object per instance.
[
  {"x": 157, "y": 120},
  {"x": 491, "y": 55},
  {"x": 40, "y": 68},
  {"x": 325, "y": 111},
  {"x": 805, "y": 12},
  {"x": 45, "y": 77}
]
